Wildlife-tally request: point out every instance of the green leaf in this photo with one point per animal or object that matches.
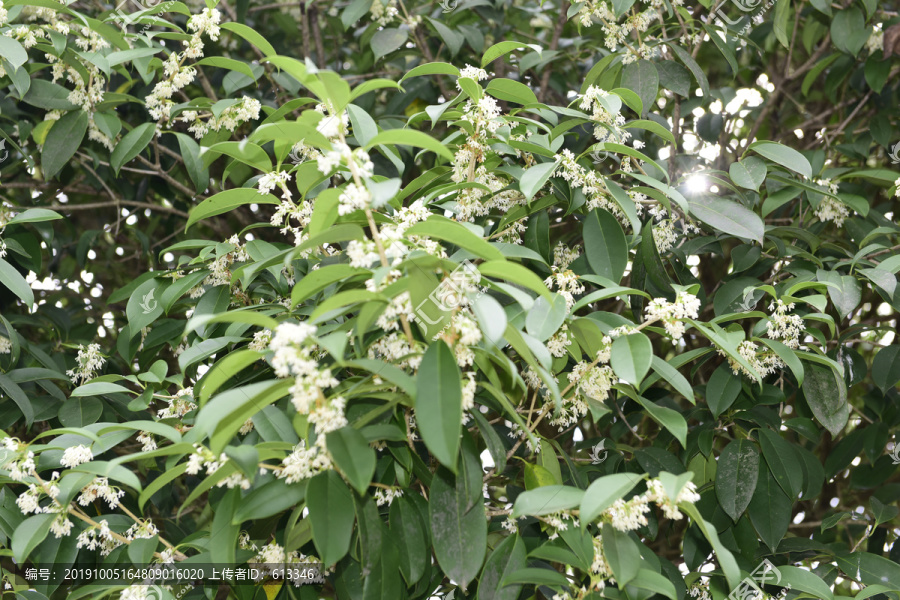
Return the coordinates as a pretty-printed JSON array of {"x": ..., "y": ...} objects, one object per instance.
[
  {"x": 251, "y": 36},
  {"x": 270, "y": 499},
  {"x": 459, "y": 532},
  {"x": 331, "y": 515},
  {"x": 13, "y": 52},
  {"x": 622, "y": 554},
  {"x": 63, "y": 139},
  {"x": 675, "y": 379},
  {"x": 535, "y": 177},
  {"x": 131, "y": 145},
  {"x": 783, "y": 462},
  {"x": 431, "y": 68},
  {"x": 501, "y": 48},
  {"x": 410, "y": 137},
  {"x": 641, "y": 77},
  {"x": 722, "y": 390},
  {"x": 29, "y": 534},
  {"x": 546, "y": 316},
  {"x": 386, "y": 41},
  {"x": 226, "y": 201},
  {"x": 547, "y": 499},
  {"x": 749, "y": 173},
  {"x": 439, "y": 403},
  {"x": 886, "y": 368},
  {"x": 788, "y": 356},
  {"x": 805, "y": 581},
  {"x": 17, "y": 284},
  {"x": 826, "y": 395},
  {"x": 442, "y": 228},
  {"x": 514, "y": 273},
  {"x": 604, "y": 245},
  {"x": 728, "y": 217},
  {"x": 508, "y": 557},
  {"x": 770, "y": 510},
  {"x": 511, "y": 91},
  {"x": 848, "y": 31},
  {"x": 845, "y": 294},
  {"x": 631, "y": 357},
  {"x": 674, "y": 77},
  {"x": 190, "y": 153},
  {"x": 726, "y": 559},
  {"x": 353, "y": 456},
  {"x": 409, "y": 526},
  {"x": 736, "y": 477},
  {"x": 784, "y": 156},
  {"x": 35, "y": 215},
  {"x": 603, "y": 492},
  {"x": 99, "y": 388}
]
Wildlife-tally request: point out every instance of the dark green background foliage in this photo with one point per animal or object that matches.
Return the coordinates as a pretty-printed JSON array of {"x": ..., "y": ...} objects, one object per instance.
[{"x": 613, "y": 317}]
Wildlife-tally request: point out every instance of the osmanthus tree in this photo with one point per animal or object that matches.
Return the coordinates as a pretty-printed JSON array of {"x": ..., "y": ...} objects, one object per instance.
[{"x": 475, "y": 299}]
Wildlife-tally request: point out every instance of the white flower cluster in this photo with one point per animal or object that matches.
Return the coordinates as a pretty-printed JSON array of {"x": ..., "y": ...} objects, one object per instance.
[
  {"x": 100, "y": 488},
  {"x": 616, "y": 34},
  {"x": 364, "y": 253},
  {"x": 88, "y": 361},
  {"x": 272, "y": 556},
  {"x": 21, "y": 462},
  {"x": 387, "y": 496},
  {"x": 699, "y": 591},
  {"x": 665, "y": 233},
  {"x": 656, "y": 493},
  {"x": 148, "y": 444},
  {"x": 179, "y": 405},
  {"x": 353, "y": 197},
  {"x": 783, "y": 326},
  {"x": 232, "y": 117},
  {"x": 469, "y": 385},
  {"x": 76, "y": 455},
  {"x": 303, "y": 463},
  {"x": 592, "y": 382},
  {"x": 331, "y": 125},
  {"x": 591, "y": 185},
  {"x": 261, "y": 340},
  {"x": 294, "y": 357},
  {"x": 159, "y": 102},
  {"x": 600, "y": 566},
  {"x": 395, "y": 348},
  {"x": 764, "y": 361},
  {"x": 202, "y": 458},
  {"x": 268, "y": 182},
  {"x": 559, "y": 521},
  {"x": 830, "y": 209},
  {"x": 563, "y": 256},
  {"x": 220, "y": 272},
  {"x": 566, "y": 283},
  {"x": 99, "y": 537},
  {"x": 341, "y": 155},
  {"x": 5, "y": 344},
  {"x": 875, "y": 41},
  {"x": 686, "y": 306},
  {"x": 559, "y": 341},
  {"x": 607, "y": 125}
]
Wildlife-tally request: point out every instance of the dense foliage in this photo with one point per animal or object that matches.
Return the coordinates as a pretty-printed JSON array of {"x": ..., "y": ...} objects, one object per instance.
[{"x": 486, "y": 299}]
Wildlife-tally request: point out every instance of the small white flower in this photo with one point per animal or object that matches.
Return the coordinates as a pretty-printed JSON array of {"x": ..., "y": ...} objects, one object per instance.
[{"x": 76, "y": 455}]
